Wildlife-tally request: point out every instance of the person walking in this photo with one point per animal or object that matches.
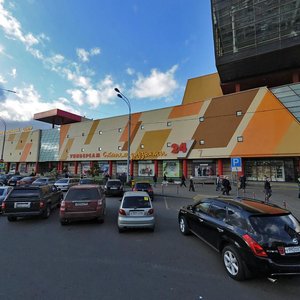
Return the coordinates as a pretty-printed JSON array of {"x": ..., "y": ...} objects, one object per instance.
[
  {"x": 182, "y": 180},
  {"x": 267, "y": 189},
  {"x": 154, "y": 180},
  {"x": 243, "y": 182},
  {"x": 191, "y": 187},
  {"x": 218, "y": 183},
  {"x": 226, "y": 186}
]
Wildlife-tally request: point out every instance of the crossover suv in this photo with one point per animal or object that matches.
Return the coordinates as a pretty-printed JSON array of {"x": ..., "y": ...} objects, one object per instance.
[
  {"x": 114, "y": 187},
  {"x": 83, "y": 202},
  {"x": 44, "y": 181},
  {"x": 65, "y": 183},
  {"x": 26, "y": 201},
  {"x": 145, "y": 187},
  {"x": 252, "y": 237}
]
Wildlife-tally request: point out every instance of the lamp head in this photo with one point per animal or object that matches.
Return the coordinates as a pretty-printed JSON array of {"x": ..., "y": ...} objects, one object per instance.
[
  {"x": 117, "y": 90},
  {"x": 120, "y": 96}
]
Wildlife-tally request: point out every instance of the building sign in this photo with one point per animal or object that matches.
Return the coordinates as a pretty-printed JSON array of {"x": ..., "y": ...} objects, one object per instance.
[
  {"x": 146, "y": 168},
  {"x": 17, "y": 130},
  {"x": 182, "y": 149},
  {"x": 141, "y": 155}
]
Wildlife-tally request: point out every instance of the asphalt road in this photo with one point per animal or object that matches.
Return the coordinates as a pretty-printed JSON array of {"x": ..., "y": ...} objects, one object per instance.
[{"x": 40, "y": 259}]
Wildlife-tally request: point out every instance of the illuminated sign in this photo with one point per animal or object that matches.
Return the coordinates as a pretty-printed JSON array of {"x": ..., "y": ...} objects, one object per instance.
[{"x": 182, "y": 149}]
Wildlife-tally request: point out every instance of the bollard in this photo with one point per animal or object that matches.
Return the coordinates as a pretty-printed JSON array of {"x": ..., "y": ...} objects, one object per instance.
[
  {"x": 253, "y": 195},
  {"x": 177, "y": 189}
]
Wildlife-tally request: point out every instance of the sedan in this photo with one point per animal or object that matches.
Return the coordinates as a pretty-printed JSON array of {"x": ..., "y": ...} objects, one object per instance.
[
  {"x": 114, "y": 187},
  {"x": 4, "y": 191},
  {"x": 136, "y": 211},
  {"x": 13, "y": 180},
  {"x": 83, "y": 202},
  {"x": 43, "y": 181},
  {"x": 26, "y": 180}
]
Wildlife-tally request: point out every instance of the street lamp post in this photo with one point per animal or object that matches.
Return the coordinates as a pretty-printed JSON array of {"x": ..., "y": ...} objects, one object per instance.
[{"x": 126, "y": 100}]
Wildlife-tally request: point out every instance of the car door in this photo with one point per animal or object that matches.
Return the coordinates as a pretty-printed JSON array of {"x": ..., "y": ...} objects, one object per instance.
[{"x": 213, "y": 224}]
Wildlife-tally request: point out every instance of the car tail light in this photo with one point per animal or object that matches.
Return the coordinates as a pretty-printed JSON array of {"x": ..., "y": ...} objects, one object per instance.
[
  {"x": 135, "y": 189},
  {"x": 63, "y": 205},
  {"x": 3, "y": 206},
  {"x": 99, "y": 203},
  {"x": 122, "y": 212},
  {"x": 256, "y": 248},
  {"x": 42, "y": 204},
  {"x": 150, "y": 190},
  {"x": 150, "y": 211}
]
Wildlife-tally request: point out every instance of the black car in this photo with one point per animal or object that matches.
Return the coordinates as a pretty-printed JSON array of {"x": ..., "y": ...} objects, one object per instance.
[
  {"x": 253, "y": 237},
  {"x": 26, "y": 201},
  {"x": 5, "y": 177},
  {"x": 114, "y": 187},
  {"x": 144, "y": 186}
]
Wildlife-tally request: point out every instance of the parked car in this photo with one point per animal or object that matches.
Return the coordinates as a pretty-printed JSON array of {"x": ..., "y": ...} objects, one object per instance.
[
  {"x": 87, "y": 181},
  {"x": 83, "y": 202},
  {"x": 145, "y": 187},
  {"x": 27, "y": 180},
  {"x": 136, "y": 211},
  {"x": 5, "y": 177},
  {"x": 14, "y": 179},
  {"x": 44, "y": 181},
  {"x": 65, "y": 183},
  {"x": 4, "y": 191},
  {"x": 114, "y": 187},
  {"x": 31, "y": 200},
  {"x": 253, "y": 237}
]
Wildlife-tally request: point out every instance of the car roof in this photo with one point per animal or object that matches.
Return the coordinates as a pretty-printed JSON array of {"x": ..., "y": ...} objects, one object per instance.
[
  {"x": 114, "y": 180},
  {"x": 143, "y": 182},
  {"x": 253, "y": 206},
  {"x": 136, "y": 194}
]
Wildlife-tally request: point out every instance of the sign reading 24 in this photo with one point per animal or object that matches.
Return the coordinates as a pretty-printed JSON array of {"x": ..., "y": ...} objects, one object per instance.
[{"x": 179, "y": 148}]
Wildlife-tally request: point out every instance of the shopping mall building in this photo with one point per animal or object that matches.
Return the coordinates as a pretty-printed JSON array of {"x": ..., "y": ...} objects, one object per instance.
[{"x": 250, "y": 109}]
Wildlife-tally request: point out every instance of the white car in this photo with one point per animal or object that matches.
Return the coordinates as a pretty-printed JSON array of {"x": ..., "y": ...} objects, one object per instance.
[{"x": 136, "y": 211}]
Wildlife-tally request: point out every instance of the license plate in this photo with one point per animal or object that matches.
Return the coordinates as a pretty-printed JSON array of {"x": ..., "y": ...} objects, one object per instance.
[
  {"x": 22, "y": 205},
  {"x": 289, "y": 250},
  {"x": 136, "y": 213},
  {"x": 113, "y": 188},
  {"x": 81, "y": 204}
]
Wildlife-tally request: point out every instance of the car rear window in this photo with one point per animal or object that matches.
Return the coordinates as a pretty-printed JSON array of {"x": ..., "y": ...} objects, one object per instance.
[
  {"x": 142, "y": 185},
  {"x": 114, "y": 183},
  {"x": 24, "y": 193},
  {"x": 83, "y": 194},
  {"x": 136, "y": 202},
  {"x": 62, "y": 181},
  {"x": 276, "y": 226}
]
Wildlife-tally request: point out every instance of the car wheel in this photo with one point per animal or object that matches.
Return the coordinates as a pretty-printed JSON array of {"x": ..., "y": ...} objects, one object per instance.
[
  {"x": 234, "y": 265},
  {"x": 64, "y": 222},
  {"x": 152, "y": 229},
  {"x": 121, "y": 229},
  {"x": 183, "y": 226},
  {"x": 47, "y": 212},
  {"x": 12, "y": 219}
]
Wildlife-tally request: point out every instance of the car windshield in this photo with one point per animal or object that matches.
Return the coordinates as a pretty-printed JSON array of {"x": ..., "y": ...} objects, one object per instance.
[
  {"x": 114, "y": 183},
  {"x": 41, "y": 180},
  {"x": 83, "y": 194},
  {"x": 86, "y": 181},
  {"x": 2, "y": 192},
  {"x": 136, "y": 202},
  {"x": 143, "y": 185},
  {"x": 27, "y": 179},
  {"x": 62, "y": 181},
  {"x": 276, "y": 226}
]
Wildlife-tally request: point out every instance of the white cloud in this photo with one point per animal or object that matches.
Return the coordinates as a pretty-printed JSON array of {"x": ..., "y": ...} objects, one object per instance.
[
  {"x": 130, "y": 71},
  {"x": 23, "y": 105},
  {"x": 77, "y": 96},
  {"x": 13, "y": 73},
  {"x": 84, "y": 55},
  {"x": 156, "y": 85},
  {"x": 2, "y": 80}
]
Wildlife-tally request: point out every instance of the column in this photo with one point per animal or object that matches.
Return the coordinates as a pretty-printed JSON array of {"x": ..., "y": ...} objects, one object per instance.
[
  {"x": 220, "y": 167},
  {"x": 156, "y": 167},
  {"x": 76, "y": 167},
  {"x": 184, "y": 167},
  {"x": 131, "y": 168},
  {"x": 110, "y": 167}
]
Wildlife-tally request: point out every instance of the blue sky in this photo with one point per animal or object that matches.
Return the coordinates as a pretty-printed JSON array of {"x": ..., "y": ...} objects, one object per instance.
[{"x": 72, "y": 54}]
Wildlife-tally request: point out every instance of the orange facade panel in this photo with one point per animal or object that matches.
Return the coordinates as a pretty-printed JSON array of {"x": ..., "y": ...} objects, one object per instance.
[
  {"x": 25, "y": 152},
  {"x": 185, "y": 110},
  {"x": 134, "y": 127},
  {"x": 92, "y": 132},
  {"x": 22, "y": 140}
]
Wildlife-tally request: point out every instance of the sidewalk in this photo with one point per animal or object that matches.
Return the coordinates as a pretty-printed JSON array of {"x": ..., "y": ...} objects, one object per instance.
[{"x": 284, "y": 194}]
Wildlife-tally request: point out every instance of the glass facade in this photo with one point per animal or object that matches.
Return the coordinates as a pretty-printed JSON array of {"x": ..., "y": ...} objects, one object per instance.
[
  {"x": 49, "y": 145},
  {"x": 245, "y": 28},
  {"x": 289, "y": 95}
]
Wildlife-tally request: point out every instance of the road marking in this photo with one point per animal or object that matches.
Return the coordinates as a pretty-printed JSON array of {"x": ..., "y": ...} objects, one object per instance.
[{"x": 166, "y": 203}]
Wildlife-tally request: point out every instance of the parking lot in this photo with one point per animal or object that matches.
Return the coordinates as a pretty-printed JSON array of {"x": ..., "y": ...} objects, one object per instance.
[{"x": 40, "y": 259}]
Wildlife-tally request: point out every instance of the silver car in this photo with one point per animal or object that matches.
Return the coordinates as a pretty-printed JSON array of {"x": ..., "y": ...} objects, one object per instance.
[
  {"x": 136, "y": 211},
  {"x": 65, "y": 183}
]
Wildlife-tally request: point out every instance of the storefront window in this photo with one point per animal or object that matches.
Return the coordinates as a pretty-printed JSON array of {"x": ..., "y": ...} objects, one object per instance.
[
  {"x": 171, "y": 168},
  {"x": 204, "y": 168},
  {"x": 146, "y": 168}
]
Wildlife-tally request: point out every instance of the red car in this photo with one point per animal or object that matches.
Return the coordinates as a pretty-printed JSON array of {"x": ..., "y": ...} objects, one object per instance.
[
  {"x": 83, "y": 202},
  {"x": 27, "y": 180}
]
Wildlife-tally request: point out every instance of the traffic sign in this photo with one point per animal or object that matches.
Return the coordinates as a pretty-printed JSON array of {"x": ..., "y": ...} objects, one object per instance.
[
  {"x": 2, "y": 165},
  {"x": 236, "y": 164}
]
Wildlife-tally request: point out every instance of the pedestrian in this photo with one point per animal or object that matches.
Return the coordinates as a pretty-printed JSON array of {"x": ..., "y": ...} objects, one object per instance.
[
  {"x": 154, "y": 180},
  {"x": 182, "y": 180},
  {"x": 267, "y": 189},
  {"x": 226, "y": 186},
  {"x": 192, "y": 187},
  {"x": 243, "y": 182},
  {"x": 218, "y": 183},
  {"x": 165, "y": 177}
]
